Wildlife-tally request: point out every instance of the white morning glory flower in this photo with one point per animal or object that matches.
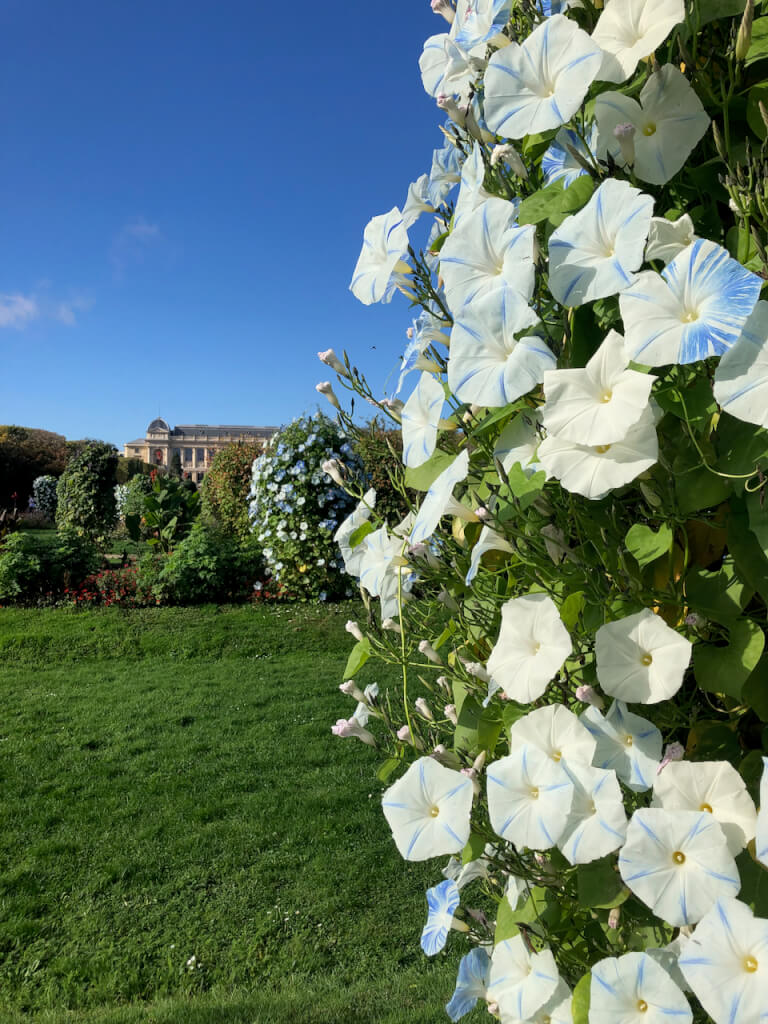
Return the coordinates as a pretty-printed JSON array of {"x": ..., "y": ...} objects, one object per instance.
[
  {"x": 595, "y": 252},
  {"x": 695, "y": 308},
  {"x": 488, "y": 364},
  {"x": 668, "y": 238},
  {"x": 596, "y": 470},
  {"x": 761, "y": 834},
  {"x": 446, "y": 67},
  {"x": 381, "y": 263},
  {"x": 556, "y": 1010},
  {"x": 444, "y": 173},
  {"x": 640, "y": 659},
  {"x": 442, "y": 901},
  {"x": 627, "y": 743},
  {"x": 597, "y": 823},
  {"x": 488, "y": 540},
  {"x": 353, "y": 556},
  {"x": 463, "y": 874},
  {"x": 428, "y": 810},
  {"x": 669, "y": 121},
  {"x": 379, "y": 565},
  {"x": 677, "y": 862},
  {"x": 518, "y": 442},
  {"x": 599, "y": 404},
  {"x": 471, "y": 984},
  {"x": 521, "y": 981},
  {"x": 420, "y": 417},
  {"x": 634, "y": 989},
  {"x": 557, "y": 732},
  {"x": 726, "y": 964},
  {"x": 628, "y": 30},
  {"x": 741, "y": 377},
  {"x": 471, "y": 191},
  {"x": 439, "y": 500},
  {"x": 478, "y": 21},
  {"x": 529, "y": 797},
  {"x": 559, "y": 162},
  {"x": 485, "y": 250},
  {"x": 540, "y": 84},
  {"x": 712, "y": 786},
  {"x": 532, "y": 645},
  {"x": 417, "y": 201}
]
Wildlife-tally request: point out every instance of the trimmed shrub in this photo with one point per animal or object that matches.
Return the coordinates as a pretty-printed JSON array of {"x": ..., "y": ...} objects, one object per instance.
[
  {"x": 86, "y": 491},
  {"x": 226, "y": 486},
  {"x": 208, "y": 565}
]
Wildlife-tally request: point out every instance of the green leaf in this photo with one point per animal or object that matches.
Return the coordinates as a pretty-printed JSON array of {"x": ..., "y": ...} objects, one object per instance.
[
  {"x": 478, "y": 727},
  {"x": 758, "y": 46},
  {"x": 422, "y": 478},
  {"x": 554, "y": 203},
  {"x": 719, "y": 595},
  {"x": 437, "y": 244},
  {"x": 758, "y": 518},
  {"x": 599, "y": 884},
  {"x": 358, "y": 656},
  {"x": 525, "y": 488},
  {"x": 385, "y": 769},
  {"x": 474, "y": 849},
  {"x": 741, "y": 446},
  {"x": 712, "y": 741},
  {"x": 726, "y": 669},
  {"x": 700, "y": 488},
  {"x": 754, "y": 884},
  {"x": 506, "y": 924},
  {"x": 757, "y": 94},
  {"x": 586, "y": 336},
  {"x": 580, "y": 1001},
  {"x": 742, "y": 246},
  {"x": 513, "y": 712},
  {"x": 712, "y": 10},
  {"x": 133, "y": 526},
  {"x": 696, "y": 402},
  {"x": 755, "y": 691},
  {"x": 571, "y": 608},
  {"x": 645, "y": 545},
  {"x": 748, "y": 555},
  {"x": 361, "y": 533}
]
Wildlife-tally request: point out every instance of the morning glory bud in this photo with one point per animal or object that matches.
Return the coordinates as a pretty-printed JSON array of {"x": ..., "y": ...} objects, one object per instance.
[
  {"x": 353, "y": 628},
  {"x": 445, "y": 8},
  {"x": 450, "y": 713},
  {"x": 476, "y": 669},
  {"x": 509, "y": 155},
  {"x": 445, "y": 683},
  {"x": 330, "y": 358},
  {"x": 482, "y": 514},
  {"x": 423, "y": 708},
  {"x": 333, "y": 468},
  {"x": 324, "y": 388},
  {"x": 426, "y": 648},
  {"x": 625, "y": 135},
  {"x": 613, "y": 917},
  {"x": 450, "y": 107},
  {"x": 347, "y": 727},
  {"x": 744, "y": 38},
  {"x": 405, "y": 735},
  {"x": 391, "y": 625},
  {"x": 351, "y": 689},
  {"x": 672, "y": 752},
  {"x": 588, "y": 695}
]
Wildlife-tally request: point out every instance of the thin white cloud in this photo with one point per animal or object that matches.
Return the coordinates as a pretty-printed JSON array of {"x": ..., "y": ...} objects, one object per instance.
[
  {"x": 131, "y": 242},
  {"x": 18, "y": 310},
  {"x": 66, "y": 312}
]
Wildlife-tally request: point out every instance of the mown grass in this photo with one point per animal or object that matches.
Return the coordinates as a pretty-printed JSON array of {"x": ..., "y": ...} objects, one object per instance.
[{"x": 170, "y": 789}]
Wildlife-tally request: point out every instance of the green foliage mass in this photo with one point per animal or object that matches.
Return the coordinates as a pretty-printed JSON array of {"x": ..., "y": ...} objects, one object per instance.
[
  {"x": 226, "y": 485},
  {"x": 208, "y": 565},
  {"x": 86, "y": 491},
  {"x": 26, "y": 453},
  {"x": 34, "y": 573},
  {"x": 166, "y": 513}
]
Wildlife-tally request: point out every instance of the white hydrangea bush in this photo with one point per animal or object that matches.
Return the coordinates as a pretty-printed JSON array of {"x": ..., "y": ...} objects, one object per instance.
[{"x": 576, "y": 604}]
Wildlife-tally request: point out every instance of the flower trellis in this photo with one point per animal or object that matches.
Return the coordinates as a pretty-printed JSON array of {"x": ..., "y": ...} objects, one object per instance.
[{"x": 577, "y": 606}]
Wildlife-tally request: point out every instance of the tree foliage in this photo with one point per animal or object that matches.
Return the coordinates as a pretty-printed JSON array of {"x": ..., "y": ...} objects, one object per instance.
[
  {"x": 86, "y": 491},
  {"x": 226, "y": 485}
]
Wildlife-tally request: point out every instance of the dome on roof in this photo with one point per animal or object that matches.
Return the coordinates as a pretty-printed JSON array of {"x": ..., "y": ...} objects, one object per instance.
[{"x": 158, "y": 425}]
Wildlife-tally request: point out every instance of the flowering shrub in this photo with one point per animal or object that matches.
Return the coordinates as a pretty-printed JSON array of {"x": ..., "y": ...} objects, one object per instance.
[
  {"x": 108, "y": 587},
  {"x": 296, "y": 507},
  {"x": 578, "y": 604},
  {"x": 44, "y": 494},
  {"x": 121, "y": 495}
]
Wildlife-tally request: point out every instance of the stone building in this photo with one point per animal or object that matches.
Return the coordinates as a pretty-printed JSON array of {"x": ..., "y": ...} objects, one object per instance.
[{"x": 196, "y": 443}]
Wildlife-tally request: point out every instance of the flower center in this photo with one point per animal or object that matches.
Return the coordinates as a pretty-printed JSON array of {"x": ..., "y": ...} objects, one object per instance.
[
  {"x": 649, "y": 129},
  {"x": 706, "y": 807},
  {"x": 628, "y": 740},
  {"x": 678, "y": 857},
  {"x": 642, "y": 1005},
  {"x": 601, "y": 449},
  {"x": 750, "y": 964},
  {"x": 535, "y": 648},
  {"x": 647, "y": 659},
  {"x": 534, "y": 793},
  {"x": 690, "y": 317},
  {"x": 557, "y": 755},
  {"x": 606, "y": 396},
  {"x": 434, "y": 810}
]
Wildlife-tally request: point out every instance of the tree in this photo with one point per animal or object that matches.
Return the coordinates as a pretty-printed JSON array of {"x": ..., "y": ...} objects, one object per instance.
[
  {"x": 86, "y": 491},
  {"x": 26, "y": 453},
  {"x": 226, "y": 486}
]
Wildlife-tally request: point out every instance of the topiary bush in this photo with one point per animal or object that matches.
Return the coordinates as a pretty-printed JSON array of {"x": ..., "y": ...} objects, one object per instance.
[
  {"x": 295, "y": 507},
  {"x": 86, "y": 491},
  {"x": 226, "y": 486},
  {"x": 44, "y": 493}
]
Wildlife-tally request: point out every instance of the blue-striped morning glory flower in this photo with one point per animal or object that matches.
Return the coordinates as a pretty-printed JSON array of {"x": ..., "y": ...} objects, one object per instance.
[
  {"x": 677, "y": 863},
  {"x": 627, "y": 743},
  {"x": 725, "y": 962},
  {"x": 595, "y": 252},
  {"x": 518, "y": 442},
  {"x": 521, "y": 982},
  {"x": 428, "y": 810},
  {"x": 446, "y": 67},
  {"x": 417, "y": 201},
  {"x": 669, "y": 121},
  {"x": 668, "y": 238},
  {"x": 381, "y": 264},
  {"x": 628, "y": 30},
  {"x": 694, "y": 309},
  {"x": 442, "y": 901},
  {"x": 556, "y": 1010},
  {"x": 597, "y": 823},
  {"x": 471, "y": 984},
  {"x": 471, "y": 191},
  {"x": 540, "y": 84},
  {"x": 488, "y": 363},
  {"x": 353, "y": 556},
  {"x": 761, "y": 836},
  {"x": 486, "y": 250},
  {"x": 634, "y": 989},
  {"x": 558, "y": 162},
  {"x": 478, "y": 21},
  {"x": 444, "y": 173},
  {"x": 377, "y": 563},
  {"x": 420, "y": 417},
  {"x": 439, "y": 500},
  {"x": 529, "y": 798},
  {"x": 557, "y": 732},
  {"x": 741, "y": 377}
]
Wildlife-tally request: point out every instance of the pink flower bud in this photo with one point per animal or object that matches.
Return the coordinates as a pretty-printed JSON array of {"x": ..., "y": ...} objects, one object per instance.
[
  {"x": 672, "y": 752},
  {"x": 509, "y": 155},
  {"x": 587, "y": 695},
  {"x": 613, "y": 917},
  {"x": 325, "y": 388},
  {"x": 426, "y": 648},
  {"x": 330, "y": 358},
  {"x": 391, "y": 625},
  {"x": 445, "y": 8},
  {"x": 479, "y": 763},
  {"x": 333, "y": 468},
  {"x": 351, "y": 689},
  {"x": 476, "y": 669},
  {"x": 353, "y": 628},
  {"x": 405, "y": 736},
  {"x": 348, "y": 727},
  {"x": 450, "y": 713},
  {"x": 625, "y": 136},
  {"x": 482, "y": 514},
  {"x": 445, "y": 683},
  {"x": 423, "y": 708},
  {"x": 450, "y": 107}
]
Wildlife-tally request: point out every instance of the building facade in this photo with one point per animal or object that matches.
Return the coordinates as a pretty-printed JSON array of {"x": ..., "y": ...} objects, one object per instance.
[{"x": 196, "y": 444}]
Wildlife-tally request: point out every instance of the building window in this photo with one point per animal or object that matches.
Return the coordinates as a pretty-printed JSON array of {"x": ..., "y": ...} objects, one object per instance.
[
  {"x": 187, "y": 454},
  {"x": 200, "y": 477},
  {"x": 200, "y": 454},
  {"x": 135, "y": 451},
  {"x": 177, "y": 451}
]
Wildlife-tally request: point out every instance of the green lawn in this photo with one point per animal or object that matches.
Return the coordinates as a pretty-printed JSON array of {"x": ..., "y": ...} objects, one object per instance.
[{"x": 170, "y": 789}]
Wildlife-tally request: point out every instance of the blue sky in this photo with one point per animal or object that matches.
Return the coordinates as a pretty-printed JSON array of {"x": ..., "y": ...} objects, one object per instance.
[{"x": 184, "y": 191}]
